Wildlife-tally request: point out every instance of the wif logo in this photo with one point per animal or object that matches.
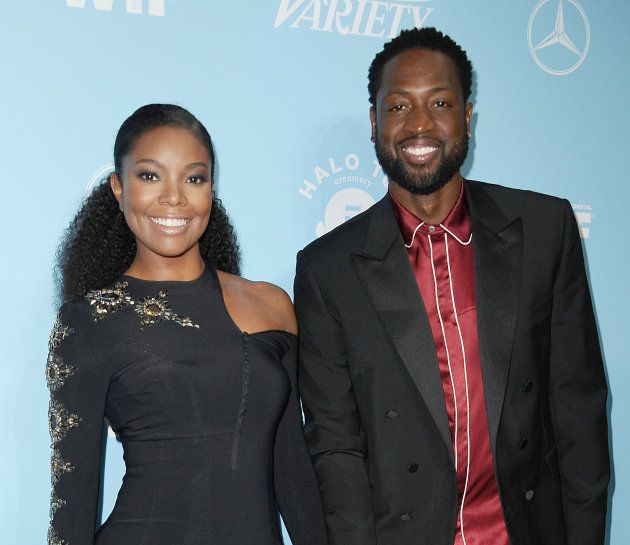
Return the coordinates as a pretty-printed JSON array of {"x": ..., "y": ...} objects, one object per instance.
[
  {"x": 372, "y": 18},
  {"x": 154, "y": 7},
  {"x": 584, "y": 216}
]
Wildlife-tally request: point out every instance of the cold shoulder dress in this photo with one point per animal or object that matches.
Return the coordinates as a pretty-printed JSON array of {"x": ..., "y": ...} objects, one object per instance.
[{"x": 208, "y": 417}]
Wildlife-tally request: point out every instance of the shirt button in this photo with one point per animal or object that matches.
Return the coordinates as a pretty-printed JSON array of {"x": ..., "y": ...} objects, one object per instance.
[
  {"x": 523, "y": 443},
  {"x": 529, "y": 495},
  {"x": 412, "y": 467},
  {"x": 431, "y": 228},
  {"x": 405, "y": 517},
  {"x": 527, "y": 387},
  {"x": 391, "y": 414}
]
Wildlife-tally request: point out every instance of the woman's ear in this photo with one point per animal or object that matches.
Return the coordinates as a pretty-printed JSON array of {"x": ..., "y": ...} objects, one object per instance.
[{"x": 116, "y": 185}]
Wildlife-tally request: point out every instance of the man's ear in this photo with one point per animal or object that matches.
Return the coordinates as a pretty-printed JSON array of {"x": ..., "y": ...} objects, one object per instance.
[
  {"x": 469, "y": 112},
  {"x": 373, "y": 123}
]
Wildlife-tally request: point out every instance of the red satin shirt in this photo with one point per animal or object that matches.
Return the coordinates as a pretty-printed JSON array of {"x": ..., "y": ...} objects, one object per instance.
[{"x": 443, "y": 263}]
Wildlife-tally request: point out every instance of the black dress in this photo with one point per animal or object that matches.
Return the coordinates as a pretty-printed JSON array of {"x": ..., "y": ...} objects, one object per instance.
[{"x": 208, "y": 417}]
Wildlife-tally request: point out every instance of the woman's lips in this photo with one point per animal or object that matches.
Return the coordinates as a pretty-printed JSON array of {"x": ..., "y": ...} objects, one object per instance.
[{"x": 168, "y": 225}]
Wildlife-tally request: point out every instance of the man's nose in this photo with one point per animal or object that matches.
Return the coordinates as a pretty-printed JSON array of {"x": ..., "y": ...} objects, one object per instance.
[{"x": 419, "y": 120}]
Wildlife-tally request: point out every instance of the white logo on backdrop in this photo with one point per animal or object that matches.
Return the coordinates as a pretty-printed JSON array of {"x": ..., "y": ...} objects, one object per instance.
[
  {"x": 154, "y": 7},
  {"x": 97, "y": 177},
  {"x": 352, "y": 186},
  {"x": 584, "y": 216},
  {"x": 558, "y": 35},
  {"x": 372, "y": 18},
  {"x": 344, "y": 204}
]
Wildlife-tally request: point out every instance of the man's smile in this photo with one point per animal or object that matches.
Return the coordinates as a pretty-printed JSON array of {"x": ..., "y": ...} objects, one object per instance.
[{"x": 418, "y": 151}]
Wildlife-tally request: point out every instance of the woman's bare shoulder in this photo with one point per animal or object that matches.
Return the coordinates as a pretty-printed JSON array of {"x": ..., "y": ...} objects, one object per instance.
[{"x": 257, "y": 305}]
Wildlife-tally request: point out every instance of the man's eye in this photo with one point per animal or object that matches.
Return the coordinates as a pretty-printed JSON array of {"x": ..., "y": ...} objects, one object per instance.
[
  {"x": 442, "y": 104},
  {"x": 148, "y": 176},
  {"x": 396, "y": 108}
]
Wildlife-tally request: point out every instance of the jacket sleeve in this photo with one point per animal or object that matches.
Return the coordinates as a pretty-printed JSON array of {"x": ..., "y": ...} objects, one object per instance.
[
  {"x": 333, "y": 427},
  {"x": 578, "y": 394},
  {"x": 297, "y": 493},
  {"x": 78, "y": 380}
]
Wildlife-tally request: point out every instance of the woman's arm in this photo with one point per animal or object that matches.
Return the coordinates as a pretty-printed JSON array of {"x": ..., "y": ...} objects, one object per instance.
[{"x": 78, "y": 380}]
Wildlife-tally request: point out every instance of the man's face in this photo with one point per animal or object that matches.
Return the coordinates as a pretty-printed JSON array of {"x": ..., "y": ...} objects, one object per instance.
[{"x": 420, "y": 122}]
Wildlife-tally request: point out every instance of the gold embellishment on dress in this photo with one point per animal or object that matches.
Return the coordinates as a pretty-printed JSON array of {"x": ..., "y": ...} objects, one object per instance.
[
  {"x": 53, "y": 538},
  {"x": 157, "y": 309},
  {"x": 57, "y": 372},
  {"x": 55, "y": 504},
  {"x": 109, "y": 299},
  {"x": 60, "y": 421},
  {"x": 58, "y": 466},
  {"x": 58, "y": 334}
]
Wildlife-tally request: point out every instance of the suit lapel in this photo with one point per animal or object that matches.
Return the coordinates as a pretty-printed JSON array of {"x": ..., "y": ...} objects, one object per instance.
[
  {"x": 388, "y": 280},
  {"x": 497, "y": 242}
]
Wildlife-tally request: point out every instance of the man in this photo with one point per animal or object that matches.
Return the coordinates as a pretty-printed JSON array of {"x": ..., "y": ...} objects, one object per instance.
[{"x": 451, "y": 375}]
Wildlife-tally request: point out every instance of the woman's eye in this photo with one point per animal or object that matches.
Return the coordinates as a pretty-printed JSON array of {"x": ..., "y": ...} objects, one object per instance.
[
  {"x": 148, "y": 176},
  {"x": 198, "y": 179}
]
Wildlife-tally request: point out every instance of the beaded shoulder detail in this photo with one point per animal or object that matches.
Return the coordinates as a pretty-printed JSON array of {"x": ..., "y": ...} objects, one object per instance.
[
  {"x": 109, "y": 300},
  {"x": 157, "y": 309},
  {"x": 151, "y": 309}
]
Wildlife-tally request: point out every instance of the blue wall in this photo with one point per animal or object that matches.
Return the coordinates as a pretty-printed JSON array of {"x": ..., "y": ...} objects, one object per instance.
[{"x": 281, "y": 85}]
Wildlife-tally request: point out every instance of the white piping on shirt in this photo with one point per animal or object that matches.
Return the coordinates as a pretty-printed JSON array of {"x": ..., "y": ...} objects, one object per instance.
[
  {"x": 461, "y": 340},
  {"x": 443, "y": 227},
  {"x": 448, "y": 358},
  {"x": 413, "y": 236}
]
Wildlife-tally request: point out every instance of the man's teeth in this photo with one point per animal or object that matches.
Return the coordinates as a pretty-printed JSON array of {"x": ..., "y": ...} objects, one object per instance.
[
  {"x": 170, "y": 222},
  {"x": 420, "y": 150}
]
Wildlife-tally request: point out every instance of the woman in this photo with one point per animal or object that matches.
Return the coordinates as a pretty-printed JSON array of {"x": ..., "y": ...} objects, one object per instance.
[{"x": 193, "y": 366}]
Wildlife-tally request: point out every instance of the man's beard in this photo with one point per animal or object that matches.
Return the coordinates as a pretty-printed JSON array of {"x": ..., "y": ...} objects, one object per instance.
[{"x": 421, "y": 180}]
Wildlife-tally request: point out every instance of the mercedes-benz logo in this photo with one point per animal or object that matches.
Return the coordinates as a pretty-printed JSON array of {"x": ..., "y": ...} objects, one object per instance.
[{"x": 559, "y": 37}]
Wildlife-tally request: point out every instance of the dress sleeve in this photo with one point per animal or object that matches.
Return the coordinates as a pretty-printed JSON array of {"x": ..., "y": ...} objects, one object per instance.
[
  {"x": 77, "y": 374},
  {"x": 297, "y": 492}
]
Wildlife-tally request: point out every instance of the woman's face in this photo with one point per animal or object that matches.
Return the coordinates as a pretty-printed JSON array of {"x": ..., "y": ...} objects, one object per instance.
[{"x": 165, "y": 191}]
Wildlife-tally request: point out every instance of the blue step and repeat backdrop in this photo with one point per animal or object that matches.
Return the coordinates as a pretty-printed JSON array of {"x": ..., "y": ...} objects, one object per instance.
[{"x": 281, "y": 86}]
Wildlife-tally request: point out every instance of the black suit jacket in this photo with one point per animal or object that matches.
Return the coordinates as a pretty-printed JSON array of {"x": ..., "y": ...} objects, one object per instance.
[{"x": 372, "y": 393}]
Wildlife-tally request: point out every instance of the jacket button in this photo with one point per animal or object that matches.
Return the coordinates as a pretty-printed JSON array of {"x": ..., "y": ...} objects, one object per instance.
[
  {"x": 529, "y": 495},
  {"x": 528, "y": 386},
  {"x": 412, "y": 467},
  {"x": 391, "y": 414},
  {"x": 523, "y": 443},
  {"x": 405, "y": 517}
]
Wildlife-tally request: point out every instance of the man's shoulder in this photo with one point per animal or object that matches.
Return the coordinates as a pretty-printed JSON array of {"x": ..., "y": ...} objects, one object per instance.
[
  {"x": 508, "y": 195},
  {"x": 518, "y": 202}
]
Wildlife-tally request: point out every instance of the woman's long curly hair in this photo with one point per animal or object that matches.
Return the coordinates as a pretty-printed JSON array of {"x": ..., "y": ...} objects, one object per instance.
[{"x": 97, "y": 247}]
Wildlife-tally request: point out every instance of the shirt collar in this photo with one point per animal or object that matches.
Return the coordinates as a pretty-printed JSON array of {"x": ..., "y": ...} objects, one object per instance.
[{"x": 457, "y": 223}]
